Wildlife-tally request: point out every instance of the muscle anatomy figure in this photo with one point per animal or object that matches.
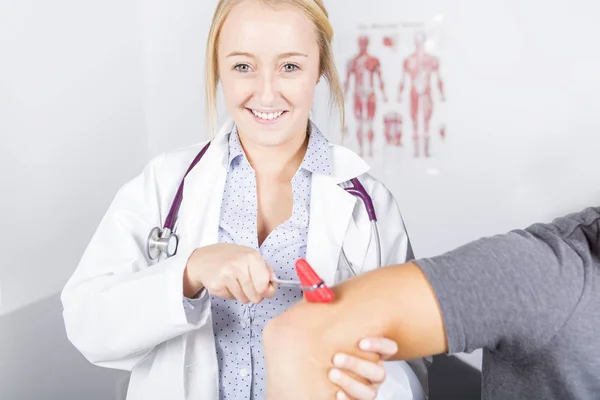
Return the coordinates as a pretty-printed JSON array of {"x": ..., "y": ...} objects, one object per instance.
[
  {"x": 366, "y": 69},
  {"x": 392, "y": 124},
  {"x": 419, "y": 67}
]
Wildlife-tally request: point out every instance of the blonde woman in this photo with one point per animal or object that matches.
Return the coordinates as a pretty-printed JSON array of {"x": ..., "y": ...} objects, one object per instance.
[{"x": 267, "y": 191}]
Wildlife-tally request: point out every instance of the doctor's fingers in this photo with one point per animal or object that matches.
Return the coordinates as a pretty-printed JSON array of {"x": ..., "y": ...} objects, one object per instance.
[
  {"x": 230, "y": 278},
  {"x": 223, "y": 293},
  {"x": 219, "y": 289},
  {"x": 236, "y": 290},
  {"x": 245, "y": 280},
  {"x": 350, "y": 388},
  {"x": 260, "y": 275},
  {"x": 249, "y": 290}
]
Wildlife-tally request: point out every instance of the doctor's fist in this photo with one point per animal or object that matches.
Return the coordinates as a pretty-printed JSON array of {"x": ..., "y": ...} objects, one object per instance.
[{"x": 230, "y": 271}]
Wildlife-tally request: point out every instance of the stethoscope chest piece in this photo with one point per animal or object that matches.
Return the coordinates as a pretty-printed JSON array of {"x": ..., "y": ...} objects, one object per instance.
[{"x": 161, "y": 242}]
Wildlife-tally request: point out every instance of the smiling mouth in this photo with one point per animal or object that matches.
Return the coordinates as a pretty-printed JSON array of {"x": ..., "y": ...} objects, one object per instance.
[{"x": 266, "y": 116}]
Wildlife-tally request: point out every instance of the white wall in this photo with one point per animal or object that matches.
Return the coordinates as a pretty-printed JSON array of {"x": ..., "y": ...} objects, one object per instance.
[
  {"x": 73, "y": 129},
  {"x": 174, "y": 34}
]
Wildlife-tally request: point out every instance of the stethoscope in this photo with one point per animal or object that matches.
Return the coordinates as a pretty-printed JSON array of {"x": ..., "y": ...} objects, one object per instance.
[{"x": 165, "y": 240}]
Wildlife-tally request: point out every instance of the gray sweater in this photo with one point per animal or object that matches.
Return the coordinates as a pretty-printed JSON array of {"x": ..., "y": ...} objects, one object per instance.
[{"x": 531, "y": 299}]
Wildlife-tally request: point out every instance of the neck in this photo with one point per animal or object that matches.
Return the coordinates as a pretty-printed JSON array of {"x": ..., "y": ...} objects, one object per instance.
[{"x": 277, "y": 162}]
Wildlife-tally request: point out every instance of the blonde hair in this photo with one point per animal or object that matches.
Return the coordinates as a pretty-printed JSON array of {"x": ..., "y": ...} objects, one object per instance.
[{"x": 315, "y": 10}]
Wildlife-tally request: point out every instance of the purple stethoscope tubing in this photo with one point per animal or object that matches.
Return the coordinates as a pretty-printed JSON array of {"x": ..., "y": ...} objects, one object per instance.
[{"x": 166, "y": 241}]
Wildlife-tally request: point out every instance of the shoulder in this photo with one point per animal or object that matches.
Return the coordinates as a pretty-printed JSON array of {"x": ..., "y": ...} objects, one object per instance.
[
  {"x": 164, "y": 170},
  {"x": 347, "y": 165},
  {"x": 175, "y": 162},
  {"x": 393, "y": 236},
  {"x": 384, "y": 202},
  {"x": 376, "y": 189},
  {"x": 181, "y": 156}
]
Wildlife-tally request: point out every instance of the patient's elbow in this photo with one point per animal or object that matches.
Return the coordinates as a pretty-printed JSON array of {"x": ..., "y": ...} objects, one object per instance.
[
  {"x": 279, "y": 333},
  {"x": 293, "y": 359},
  {"x": 292, "y": 328}
]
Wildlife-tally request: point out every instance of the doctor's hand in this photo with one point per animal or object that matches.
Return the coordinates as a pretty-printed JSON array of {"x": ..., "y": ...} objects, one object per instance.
[
  {"x": 371, "y": 372},
  {"x": 229, "y": 271}
]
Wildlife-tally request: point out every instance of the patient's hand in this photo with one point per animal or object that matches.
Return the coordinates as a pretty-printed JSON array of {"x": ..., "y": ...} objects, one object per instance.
[
  {"x": 298, "y": 349},
  {"x": 372, "y": 372},
  {"x": 395, "y": 302}
]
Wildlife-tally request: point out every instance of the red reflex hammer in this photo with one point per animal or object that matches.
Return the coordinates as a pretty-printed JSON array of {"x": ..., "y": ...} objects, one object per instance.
[{"x": 308, "y": 277}]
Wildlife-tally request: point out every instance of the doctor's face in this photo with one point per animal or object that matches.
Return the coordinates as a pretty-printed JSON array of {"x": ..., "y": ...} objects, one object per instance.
[{"x": 268, "y": 59}]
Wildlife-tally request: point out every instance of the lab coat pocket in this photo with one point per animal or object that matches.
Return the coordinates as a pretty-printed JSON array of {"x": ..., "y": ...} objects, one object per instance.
[
  {"x": 401, "y": 383},
  {"x": 342, "y": 274},
  {"x": 355, "y": 247}
]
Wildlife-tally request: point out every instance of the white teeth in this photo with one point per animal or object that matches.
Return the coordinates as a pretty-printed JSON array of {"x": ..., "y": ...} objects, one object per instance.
[{"x": 267, "y": 116}]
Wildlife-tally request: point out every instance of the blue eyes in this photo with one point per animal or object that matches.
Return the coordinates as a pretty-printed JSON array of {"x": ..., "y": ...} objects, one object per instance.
[
  {"x": 241, "y": 67},
  {"x": 293, "y": 68},
  {"x": 286, "y": 68}
]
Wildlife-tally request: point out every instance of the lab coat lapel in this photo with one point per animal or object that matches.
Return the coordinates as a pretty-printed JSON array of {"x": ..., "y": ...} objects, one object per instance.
[
  {"x": 202, "y": 196},
  {"x": 358, "y": 238},
  {"x": 330, "y": 215},
  {"x": 199, "y": 217}
]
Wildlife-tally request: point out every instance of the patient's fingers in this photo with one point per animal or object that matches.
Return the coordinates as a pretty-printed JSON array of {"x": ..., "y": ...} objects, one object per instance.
[
  {"x": 341, "y": 396},
  {"x": 351, "y": 387},
  {"x": 370, "y": 371},
  {"x": 383, "y": 346}
]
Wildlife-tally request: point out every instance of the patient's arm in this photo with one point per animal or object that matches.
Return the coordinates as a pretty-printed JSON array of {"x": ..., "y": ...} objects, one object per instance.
[
  {"x": 498, "y": 293},
  {"x": 299, "y": 343}
]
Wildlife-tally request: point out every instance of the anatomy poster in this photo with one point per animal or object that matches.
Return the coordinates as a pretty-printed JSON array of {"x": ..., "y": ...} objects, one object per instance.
[
  {"x": 363, "y": 76},
  {"x": 394, "y": 85}
]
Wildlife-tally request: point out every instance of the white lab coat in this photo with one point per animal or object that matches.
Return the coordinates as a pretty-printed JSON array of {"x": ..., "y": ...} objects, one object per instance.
[{"x": 123, "y": 311}]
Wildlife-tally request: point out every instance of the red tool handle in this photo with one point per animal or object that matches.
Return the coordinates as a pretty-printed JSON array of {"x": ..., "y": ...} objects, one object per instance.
[{"x": 308, "y": 277}]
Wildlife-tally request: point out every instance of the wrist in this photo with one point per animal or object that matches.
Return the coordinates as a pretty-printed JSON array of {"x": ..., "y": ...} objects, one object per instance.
[{"x": 192, "y": 285}]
